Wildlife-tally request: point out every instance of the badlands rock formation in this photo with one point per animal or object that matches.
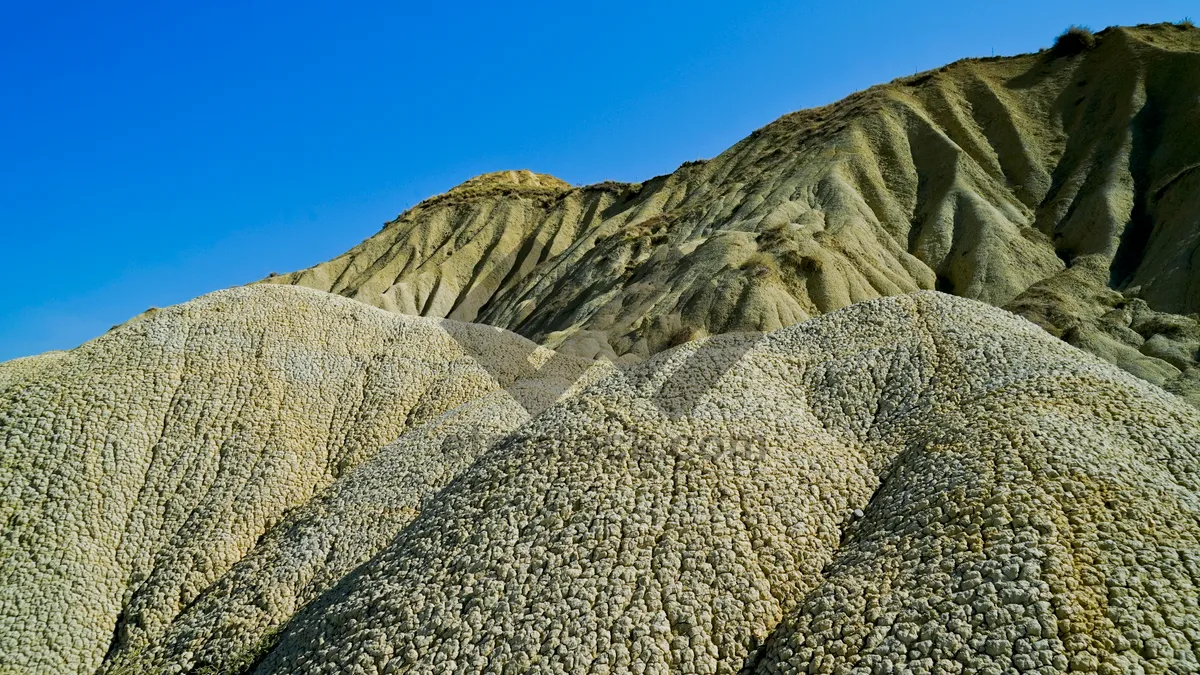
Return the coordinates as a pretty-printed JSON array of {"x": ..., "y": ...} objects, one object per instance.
[
  {"x": 138, "y": 468},
  {"x": 919, "y": 482},
  {"x": 733, "y": 435},
  {"x": 1063, "y": 187}
]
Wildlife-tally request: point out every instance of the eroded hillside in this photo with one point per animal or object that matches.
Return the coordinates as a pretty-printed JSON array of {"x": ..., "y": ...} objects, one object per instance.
[
  {"x": 138, "y": 468},
  {"x": 1064, "y": 187},
  {"x": 782, "y": 473},
  {"x": 277, "y": 480}
]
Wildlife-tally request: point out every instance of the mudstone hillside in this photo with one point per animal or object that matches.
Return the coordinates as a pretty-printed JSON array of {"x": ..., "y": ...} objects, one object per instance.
[{"x": 903, "y": 384}]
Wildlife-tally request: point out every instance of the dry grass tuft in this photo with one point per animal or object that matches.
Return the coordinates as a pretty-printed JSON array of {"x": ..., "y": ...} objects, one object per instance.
[
  {"x": 1074, "y": 40},
  {"x": 760, "y": 265}
]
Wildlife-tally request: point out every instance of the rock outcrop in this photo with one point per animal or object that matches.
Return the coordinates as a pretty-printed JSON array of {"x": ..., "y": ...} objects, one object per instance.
[{"x": 1063, "y": 187}]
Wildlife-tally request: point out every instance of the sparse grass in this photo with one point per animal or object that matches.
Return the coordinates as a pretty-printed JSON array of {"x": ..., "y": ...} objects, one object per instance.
[
  {"x": 1186, "y": 23},
  {"x": 1074, "y": 40},
  {"x": 760, "y": 265},
  {"x": 614, "y": 187},
  {"x": 810, "y": 266},
  {"x": 252, "y": 657},
  {"x": 653, "y": 228},
  {"x": 774, "y": 235},
  {"x": 126, "y": 664},
  {"x": 468, "y": 194}
]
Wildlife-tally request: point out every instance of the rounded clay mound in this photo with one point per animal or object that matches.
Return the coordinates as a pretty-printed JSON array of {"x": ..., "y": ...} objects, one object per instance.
[{"x": 911, "y": 482}]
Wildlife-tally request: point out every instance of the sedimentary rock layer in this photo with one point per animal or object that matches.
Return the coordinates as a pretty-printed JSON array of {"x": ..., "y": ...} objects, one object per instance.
[{"x": 1064, "y": 187}]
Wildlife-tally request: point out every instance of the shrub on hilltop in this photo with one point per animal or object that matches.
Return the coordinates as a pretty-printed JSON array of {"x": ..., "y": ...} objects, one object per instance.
[{"x": 1074, "y": 40}]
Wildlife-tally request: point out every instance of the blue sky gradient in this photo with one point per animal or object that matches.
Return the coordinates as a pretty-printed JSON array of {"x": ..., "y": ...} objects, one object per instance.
[{"x": 153, "y": 152}]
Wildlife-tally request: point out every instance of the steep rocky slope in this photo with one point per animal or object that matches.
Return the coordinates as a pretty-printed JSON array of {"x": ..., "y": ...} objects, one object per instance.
[{"x": 1064, "y": 187}]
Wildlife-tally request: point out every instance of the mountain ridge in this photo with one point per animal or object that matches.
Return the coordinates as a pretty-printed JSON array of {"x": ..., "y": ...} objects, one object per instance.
[{"x": 1038, "y": 183}]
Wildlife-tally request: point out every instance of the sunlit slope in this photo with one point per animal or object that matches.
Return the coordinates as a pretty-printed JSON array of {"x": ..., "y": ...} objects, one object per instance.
[
  {"x": 138, "y": 468},
  {"x": 1062, "y": 186},
  {"x": 911, "y": 480},
  {"x": 275, "y": 479},
  {"x": 784, "y": 472}
]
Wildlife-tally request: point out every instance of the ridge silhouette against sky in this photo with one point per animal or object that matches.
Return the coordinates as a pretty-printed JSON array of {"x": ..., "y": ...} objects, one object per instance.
[{"x": 154, "y": 154}]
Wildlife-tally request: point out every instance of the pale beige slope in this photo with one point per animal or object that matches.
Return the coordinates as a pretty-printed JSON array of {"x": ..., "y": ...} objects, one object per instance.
[
  {"x": 1023, "y": 506},
  {"x": 201, "y": 487},
  {"x": 138, "y": 468},
  {"x": 920, "y": 481},
  {"x": 450, "y": 254},
  {"x": 237, "y": 618},
  {"x": 1039, "y": 182}
]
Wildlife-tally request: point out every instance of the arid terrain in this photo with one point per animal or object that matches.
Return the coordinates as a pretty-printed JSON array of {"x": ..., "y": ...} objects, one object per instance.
[{"x": 904, "y": 384}]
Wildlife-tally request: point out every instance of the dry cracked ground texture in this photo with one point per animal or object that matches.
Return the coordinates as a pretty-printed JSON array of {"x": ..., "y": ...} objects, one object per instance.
[
  {"x": 920, "y": 482},
  {"x": 771, "y": 469}
]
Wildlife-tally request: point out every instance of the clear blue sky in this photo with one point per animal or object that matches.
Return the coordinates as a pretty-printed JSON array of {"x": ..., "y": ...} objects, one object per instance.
[{"x": 153, "y": 153}]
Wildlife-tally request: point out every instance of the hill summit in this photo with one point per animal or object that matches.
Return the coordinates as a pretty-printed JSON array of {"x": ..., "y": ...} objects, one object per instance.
[{"x": 1063, "y": 187}]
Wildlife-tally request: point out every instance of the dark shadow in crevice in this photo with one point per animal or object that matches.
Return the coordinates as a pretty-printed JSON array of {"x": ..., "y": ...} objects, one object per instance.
[
  {"x": 1066, "y": 255},
  {"x": 1147, "y": 134}
]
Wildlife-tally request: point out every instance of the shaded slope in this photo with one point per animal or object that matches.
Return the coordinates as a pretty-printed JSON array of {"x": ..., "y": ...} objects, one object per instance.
[
  {"x": 1063, "y": 187},
  {"x": 450, "y": 254}
]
